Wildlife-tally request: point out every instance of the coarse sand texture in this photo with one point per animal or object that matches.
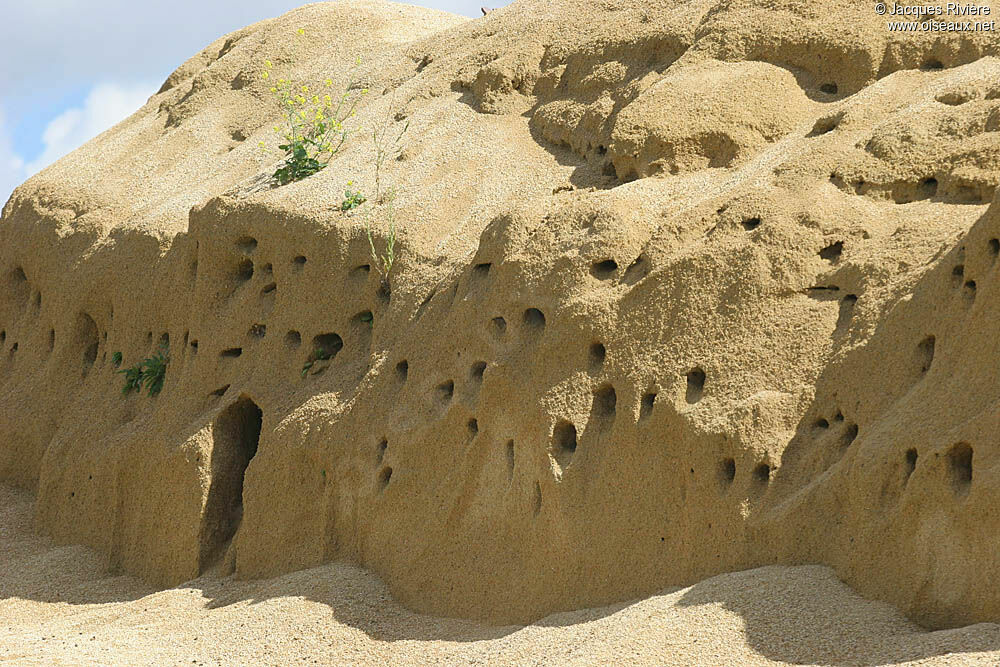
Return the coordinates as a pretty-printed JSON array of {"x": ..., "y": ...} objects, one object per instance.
[{"x": 681, "y": 289}]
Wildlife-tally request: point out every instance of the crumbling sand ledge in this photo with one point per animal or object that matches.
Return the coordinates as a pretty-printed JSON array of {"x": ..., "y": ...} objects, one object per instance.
[{"x": 684, "y": 288}]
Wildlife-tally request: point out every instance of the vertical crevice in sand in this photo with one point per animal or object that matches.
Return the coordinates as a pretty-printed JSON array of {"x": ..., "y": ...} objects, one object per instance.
[
  {"x": 235, "y": 436},
  {"x": 87, "y": 341}
]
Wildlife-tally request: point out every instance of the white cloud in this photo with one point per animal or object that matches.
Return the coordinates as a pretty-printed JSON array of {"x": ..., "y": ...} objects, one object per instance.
[
  {"x": 105, "y": 105},
  {"x": 12, "y": 171}
]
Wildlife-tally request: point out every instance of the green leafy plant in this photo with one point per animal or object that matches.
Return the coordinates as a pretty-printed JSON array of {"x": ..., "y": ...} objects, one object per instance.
[
  {"x": 149, "y": 373},
  {"x": 116, "y": 359},
  {"x": 133, "y": 378},
  {"x": 314, "y": 129},
  {"x": 384, "y": 259},
  {"x": 352, "y": 199},
  {"x": 387, "y": 143},
  {"x": 155, "y": 371}
]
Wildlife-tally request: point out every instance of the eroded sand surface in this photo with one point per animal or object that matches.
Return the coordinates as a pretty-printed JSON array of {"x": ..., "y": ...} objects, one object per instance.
[
  {"x": 681, "y": 288},
  {"x": 59, "y": 606}
]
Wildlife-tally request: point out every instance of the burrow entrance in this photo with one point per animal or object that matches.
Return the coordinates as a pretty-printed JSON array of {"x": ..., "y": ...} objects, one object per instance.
[{"x": 235, "y": 436}]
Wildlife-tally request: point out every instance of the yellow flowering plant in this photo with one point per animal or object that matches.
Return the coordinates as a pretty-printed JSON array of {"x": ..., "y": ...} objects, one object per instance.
[
  {"x": 315, "y": 123},
  {"x": 352, "y": 198}
]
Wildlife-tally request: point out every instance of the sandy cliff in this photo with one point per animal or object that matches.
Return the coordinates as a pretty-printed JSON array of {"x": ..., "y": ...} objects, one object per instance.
[{"x": 683, "y": 288}]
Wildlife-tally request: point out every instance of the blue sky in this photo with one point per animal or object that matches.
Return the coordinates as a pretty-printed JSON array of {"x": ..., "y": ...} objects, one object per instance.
[{"x": 101, "y": 60}]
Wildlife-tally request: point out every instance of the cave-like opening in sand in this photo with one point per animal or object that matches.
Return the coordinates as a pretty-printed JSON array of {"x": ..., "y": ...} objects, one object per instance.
[{"x": 235, "y": 436}]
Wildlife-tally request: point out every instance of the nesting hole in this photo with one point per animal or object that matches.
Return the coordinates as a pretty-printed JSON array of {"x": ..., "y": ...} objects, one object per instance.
[
  {"x": 910, "y": 464},
  {"x": 380, "y": 450},
  {"x": 480, "y": 271},
  {"x": 637, "y": 270},
  {"x": 534, "y": 319},
  {"x": 847, "y": 305},
  {"x": 257, "y": 331},
  {"x": 563, "y": 442},
  {"x": 384, "y": 475},
  {"x": 598, "y": 353},
  {"x": 727, "y": 472},
  {"x": 969, "y": 289},
  {"x": 604, "y": 269},
  {"x": 268, "y": 289},
  {"x": 953, "y": 99},
  {"x": 762, "y": 474},
  {"x": 605, "y": 401},
  {"x": 646, "y": 405},
  {"x": 402, "y": 370},
  {"x": 87, "y": 340},
  {"x": 445, "y": 391},
  {"x": 825, "y": 125},
  {"x": 247, "y": 244},
  {"x": 18, "y": 287},
  {"x": 849, "y": 436},
  {"x": 365, "y": 318},
  {"x": 932, "y": 64},
  {"x": 829, "y": 88},
  {"x": 832, "y": 252},
  {"x": 929, "y": 188},
  {"x": 695, "y": 385},
  {"x": 499, "y": 326},
  {"x": 958, "y": 275},
  {"x": 244, "y": 270},
  {"x": 925, "y": 354},
  {"x": 960, "y": 467},
  {"x": 231, "y": 353},
  {"x": 293, "y": 339},
  {"x": 994, "y": 246},
  {"x": 221, "y": 391},
  {"x": 326, "y": 346},
  {"x": 751, "y": 224},
  {"x": 473, "y": 426},
  {"x": 477, "y": 371},
  {"x": 299, "y": 261}
]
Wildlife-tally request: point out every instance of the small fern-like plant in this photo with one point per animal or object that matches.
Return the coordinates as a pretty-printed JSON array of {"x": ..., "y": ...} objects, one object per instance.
[
  {"x": 155, "y": 371},
  {"x": 133, "y": 378},
  {"x": 149, "y": 373}
]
